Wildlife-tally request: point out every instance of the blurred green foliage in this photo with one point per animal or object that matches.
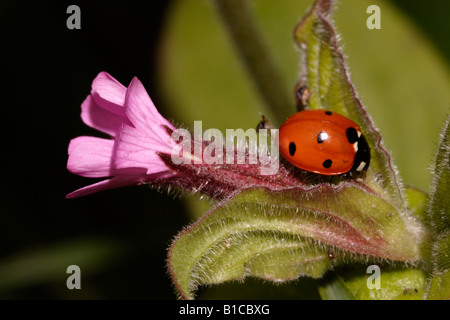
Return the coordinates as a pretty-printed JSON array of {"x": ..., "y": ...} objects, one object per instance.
[{"x": 400, "y": 75}]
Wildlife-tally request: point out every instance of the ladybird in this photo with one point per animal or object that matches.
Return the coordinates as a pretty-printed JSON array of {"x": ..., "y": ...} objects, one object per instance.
[{"x": 324, "y": 142}]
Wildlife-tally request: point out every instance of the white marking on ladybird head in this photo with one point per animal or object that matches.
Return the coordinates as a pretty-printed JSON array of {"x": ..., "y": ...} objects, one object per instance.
[
  {"x": 355, "y": 147},
  {"x": 361, "y": 166},
  {"x": 359, "y": 133}
]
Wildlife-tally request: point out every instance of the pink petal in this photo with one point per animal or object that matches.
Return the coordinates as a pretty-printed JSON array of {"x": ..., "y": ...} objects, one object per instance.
[
  {"x": 116, "y": 182},
  {"x": 90, "y": 157},
  {"x": 130, "y": 116},
  {"x": 142, "y": 112},
  {"x": 101, "y": 119},
  {"x": 119, "y": 181},
  {"x": 135, "y": 148},
  {"x": 109, "y": 93}
]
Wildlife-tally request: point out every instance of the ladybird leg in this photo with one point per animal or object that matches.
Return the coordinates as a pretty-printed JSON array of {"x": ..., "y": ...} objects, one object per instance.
[{"x": 264, "y": 124}]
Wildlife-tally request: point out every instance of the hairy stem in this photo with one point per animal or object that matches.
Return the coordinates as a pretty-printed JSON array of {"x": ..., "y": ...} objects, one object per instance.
[{"x": 252, "y": 49}]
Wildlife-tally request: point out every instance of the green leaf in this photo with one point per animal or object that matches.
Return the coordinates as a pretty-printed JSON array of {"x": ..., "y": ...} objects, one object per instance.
[
  {"x": 358, "y": 282},
  {"x": 402, "y": 283},
  {"x": 324, "y": 72},
  {"x": 439, "y": 221},
  {"x": 395, "y": 283},
  {"x": 417, "y": 202},
  {"x": 334, "y": 288},
  {"x": 438, "y": 286},
  {"x": 280, "y": 236},
  {"x": 439, "y": 208}
]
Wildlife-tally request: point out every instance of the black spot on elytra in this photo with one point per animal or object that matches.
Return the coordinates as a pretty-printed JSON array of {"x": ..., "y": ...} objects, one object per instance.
[
  {"x": 292, "y": 148},
  {"x": 352, "y": 135},
  {"x": 328, "y": 113},
  {"x": 327, "y": 163}
]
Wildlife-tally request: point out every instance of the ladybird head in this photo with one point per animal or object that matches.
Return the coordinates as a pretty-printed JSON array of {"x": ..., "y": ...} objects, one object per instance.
[{"x": 362, "y": 156}]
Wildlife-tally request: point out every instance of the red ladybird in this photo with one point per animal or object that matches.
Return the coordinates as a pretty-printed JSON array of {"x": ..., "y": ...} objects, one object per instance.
[{"x": 324, "y": 142}]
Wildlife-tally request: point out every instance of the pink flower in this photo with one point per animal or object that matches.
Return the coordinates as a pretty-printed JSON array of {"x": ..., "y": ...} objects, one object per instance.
[
  {"x": 137, "y": 133},
  {"x": 140, "y": 149}
]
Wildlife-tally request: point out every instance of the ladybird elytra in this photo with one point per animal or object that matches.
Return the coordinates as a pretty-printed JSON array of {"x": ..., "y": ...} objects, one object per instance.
[{"x": 324, "y": 142}]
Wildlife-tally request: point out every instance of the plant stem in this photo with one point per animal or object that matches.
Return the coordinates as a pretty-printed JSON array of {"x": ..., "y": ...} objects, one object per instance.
[{"x": 252, "y": 49}]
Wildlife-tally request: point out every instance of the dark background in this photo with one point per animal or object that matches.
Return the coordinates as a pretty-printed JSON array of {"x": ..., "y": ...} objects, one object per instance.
[{"x": 46, "y": 72}]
